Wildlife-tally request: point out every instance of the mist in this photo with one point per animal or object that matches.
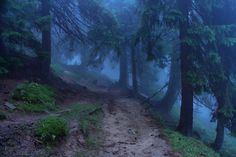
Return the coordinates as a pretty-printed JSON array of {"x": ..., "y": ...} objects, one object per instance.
[{"x": 117, "y": 78}]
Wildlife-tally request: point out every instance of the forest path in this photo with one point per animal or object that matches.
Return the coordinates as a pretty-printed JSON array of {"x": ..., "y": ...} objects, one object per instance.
[{"x": 130, "y": 132}]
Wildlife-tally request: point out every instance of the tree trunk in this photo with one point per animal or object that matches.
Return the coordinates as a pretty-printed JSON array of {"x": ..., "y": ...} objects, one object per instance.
[
  {"x": 167, "y": 102},
  {"x": 186, "y": 116},
  {"x": 124, "y": 69},
  {"x": 134, "y": 70},
  {"x": 46, "y": 40},
  {"x": 233, "y": 127},
  {"x": 84, "y": 56},
  {"x": 221, "y": 92},
  {"x": 2, "y": 11},
  {"x": 219, "y": 140}
]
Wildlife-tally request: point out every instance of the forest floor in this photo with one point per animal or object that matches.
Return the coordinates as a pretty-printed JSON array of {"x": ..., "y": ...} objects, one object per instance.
[
  {"x": 126, "y": 129},
  {"x": 129, "y": 131}
]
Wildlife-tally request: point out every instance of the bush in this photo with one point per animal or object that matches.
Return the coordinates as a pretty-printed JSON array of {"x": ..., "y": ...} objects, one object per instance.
[
  {"x": 51, "y": 130},
  {"x": 34, "y": 97}
]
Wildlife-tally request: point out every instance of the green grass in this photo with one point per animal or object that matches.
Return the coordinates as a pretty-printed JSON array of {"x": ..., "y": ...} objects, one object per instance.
[
  {"x": 34, "y": 97},
  {"x": 208, "y": 135},
  {"x": 89, "y": 117},
  {"x": 187, "y": 146},
  {"x": 51, "y": 129},
  {"x": 86, "y": 120}
]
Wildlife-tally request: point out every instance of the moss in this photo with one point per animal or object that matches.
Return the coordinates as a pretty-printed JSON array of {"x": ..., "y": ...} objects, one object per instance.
[
  {"x": 34, "y": 97},
  {"x": 51, "y": 129},
  {"x": 86, "y": 120},
  {"x": 88, "y": 117},
  {"x": 187, "y": 146}
]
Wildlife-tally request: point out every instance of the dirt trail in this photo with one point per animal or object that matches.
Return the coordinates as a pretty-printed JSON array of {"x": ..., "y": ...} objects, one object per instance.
[
  {"x": 129, "y": 131},
  {"x": 126, "y": 130}
]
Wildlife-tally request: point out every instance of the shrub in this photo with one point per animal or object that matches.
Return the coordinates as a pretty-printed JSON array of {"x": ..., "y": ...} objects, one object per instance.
[
  {"x": 51, "y": 129},
  {"x": 34, "y": 97}
]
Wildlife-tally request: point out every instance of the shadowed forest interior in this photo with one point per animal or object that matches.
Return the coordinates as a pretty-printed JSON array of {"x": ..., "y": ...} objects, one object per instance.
[{"x": 117, "y": 78}]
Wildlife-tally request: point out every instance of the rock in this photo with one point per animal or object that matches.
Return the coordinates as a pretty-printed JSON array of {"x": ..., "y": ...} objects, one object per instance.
[{"x": 10, "y": 106}]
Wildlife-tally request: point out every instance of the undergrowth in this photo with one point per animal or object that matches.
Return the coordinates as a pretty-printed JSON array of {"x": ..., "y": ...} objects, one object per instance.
[
  {"x": 34, "y": 97},
  {"x": 88, "y": 117},
  {"x": 51, "y": 130},
  {"x": 186, "y": 146}
]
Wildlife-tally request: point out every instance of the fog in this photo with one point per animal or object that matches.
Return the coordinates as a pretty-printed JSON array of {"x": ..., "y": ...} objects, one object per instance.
[{"x": 175, "y": 58}]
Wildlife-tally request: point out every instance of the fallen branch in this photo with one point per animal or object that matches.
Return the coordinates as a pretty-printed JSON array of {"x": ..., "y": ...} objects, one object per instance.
[{"x": 152, "y": 96}]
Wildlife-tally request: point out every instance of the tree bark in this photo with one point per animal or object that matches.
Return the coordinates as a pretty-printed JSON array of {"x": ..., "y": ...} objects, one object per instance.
[
  {"x": 123, "y": 81},
  {"x": 186, "y": 116},
  {"x": 2, "y": 10},
  {"x": 219, "y": 140},
  {"x": 134, "y": 70},
  {"x": 46, "y": 41},
  {"x": 221, "y": 91},
  {"x": 167, "y": 102}
]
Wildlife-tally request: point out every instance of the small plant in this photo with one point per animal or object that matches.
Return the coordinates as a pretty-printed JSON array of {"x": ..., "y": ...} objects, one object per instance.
[
  {"x": 51, "y": 130},
  {"x": 34, "y": 97}
]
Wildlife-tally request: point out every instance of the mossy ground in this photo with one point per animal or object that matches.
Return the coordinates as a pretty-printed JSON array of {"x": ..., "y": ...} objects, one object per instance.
[
  {"x": 51, "y": 129},
  {"x": 34, "y": 97},
  {"x": 88, "y": 117},
  {"x": 186, "y": 146}
]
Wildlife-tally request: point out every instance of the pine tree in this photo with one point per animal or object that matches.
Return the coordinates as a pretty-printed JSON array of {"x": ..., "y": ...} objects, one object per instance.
[{"x": 185, "y": 125}]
